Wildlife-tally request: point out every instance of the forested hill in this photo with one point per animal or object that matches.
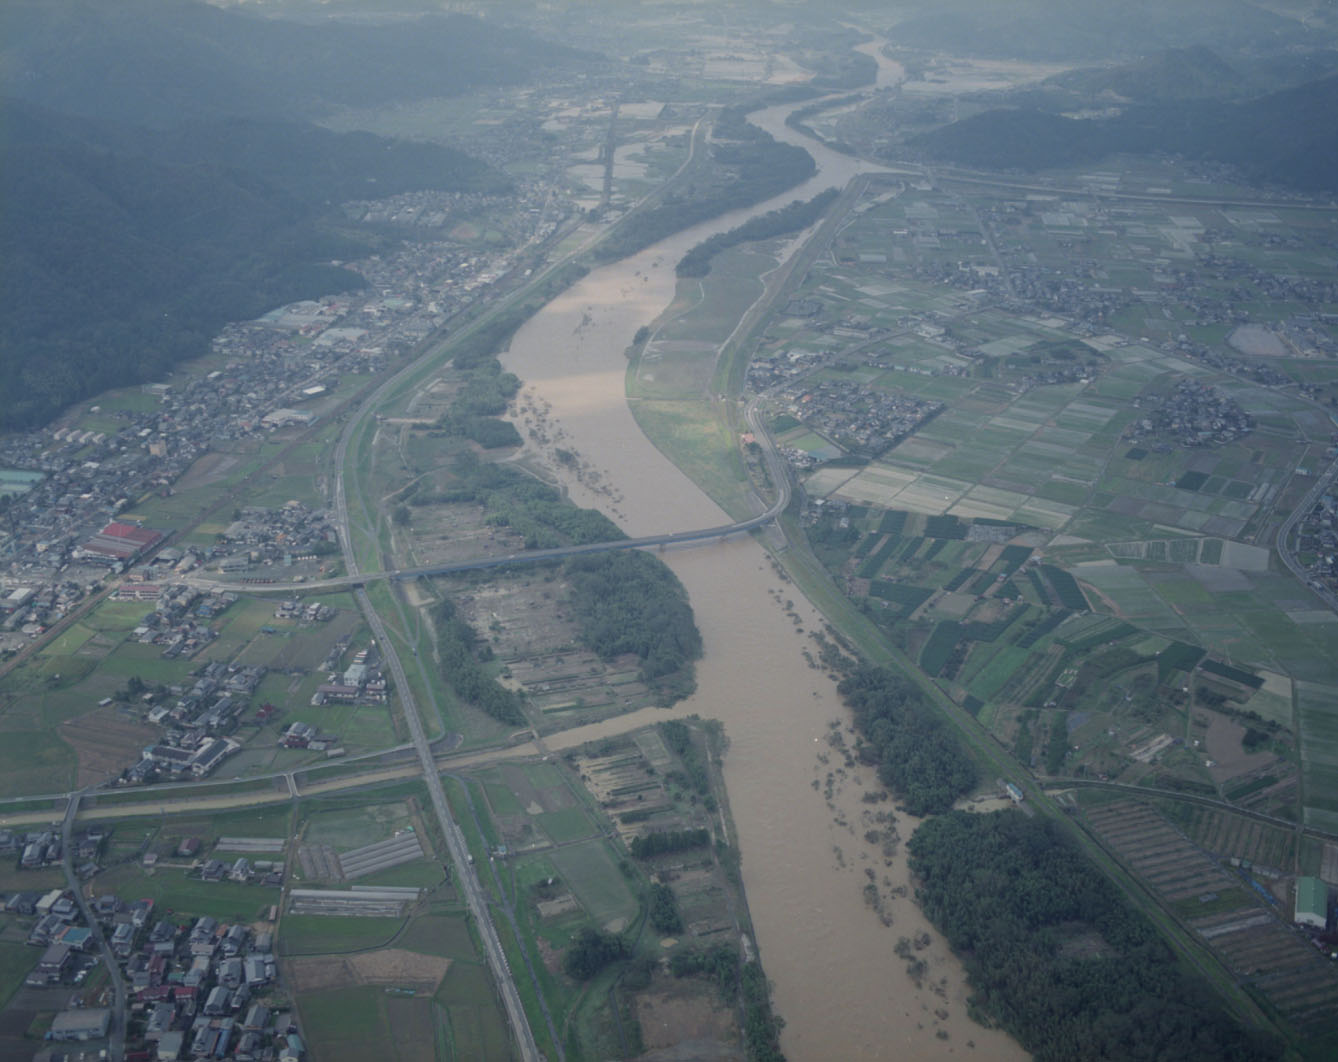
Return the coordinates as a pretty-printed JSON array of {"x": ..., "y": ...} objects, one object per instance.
[
  {"x": 1173, "y": 74},
  {"x": 1289, "y": 138},
  {"x": 155, "y": 61},
  {"x": 126, "y": 250},
  {"x": 308, "y": 162}
]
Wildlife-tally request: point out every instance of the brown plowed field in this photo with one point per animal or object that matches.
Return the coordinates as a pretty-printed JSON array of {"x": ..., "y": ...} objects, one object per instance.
[
  {"x": 385, "y": 966},
  {"x": 106, "y": 743}
]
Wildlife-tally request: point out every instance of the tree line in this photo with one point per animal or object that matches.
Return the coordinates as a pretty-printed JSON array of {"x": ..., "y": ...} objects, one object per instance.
[
  {"x": 534, "y": 510},
  {"x": 916, "y": 755},
  {"x": 630, "y": 602},
  {"x": 1057, "y": 955},
  {"x": 747, "y": 166},
  {"x": 653, "y": 844},
  {"x": 460, "y": 654},
  {"x": 795, "y": 217}
]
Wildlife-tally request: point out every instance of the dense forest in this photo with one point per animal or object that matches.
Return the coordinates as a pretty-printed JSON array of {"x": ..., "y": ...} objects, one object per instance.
[
  {"x": 126, "y": 250},
  {"x": 1289, "y": 138},
  {"x": 694, "y": 775},
  {"x": 630, "y": 602},
  {"x": 748, "y": 166},
  {"x": 176, "y": 202},
  {"x": 662, "y": 910},
  {"x": 591, "y": 951},
  {"x": 1171, "y": 74},
  {"x": 918, "y": 757},
  {"x": 475, "y": 408},
  {"x": 1055, "y": 953},
  {"x": 793, "y": 218}
]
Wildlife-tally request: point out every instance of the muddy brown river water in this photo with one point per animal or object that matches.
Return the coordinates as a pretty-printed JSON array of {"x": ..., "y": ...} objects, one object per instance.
[{"x": 843, "y": 992}]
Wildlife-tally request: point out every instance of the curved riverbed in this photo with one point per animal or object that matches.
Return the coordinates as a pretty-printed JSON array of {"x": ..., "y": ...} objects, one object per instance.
[{"x": 801, "y": 823}]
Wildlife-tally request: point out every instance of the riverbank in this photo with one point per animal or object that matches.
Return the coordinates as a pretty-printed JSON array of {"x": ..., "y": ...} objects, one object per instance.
[{"x": 838, "y": 980}]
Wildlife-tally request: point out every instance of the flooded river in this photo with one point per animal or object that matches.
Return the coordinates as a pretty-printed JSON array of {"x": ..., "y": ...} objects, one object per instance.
[{"x": 825, "y": 942}]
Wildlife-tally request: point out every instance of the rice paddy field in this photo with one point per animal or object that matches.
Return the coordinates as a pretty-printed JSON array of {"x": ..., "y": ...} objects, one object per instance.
[{"x": 1053, "y": 444}]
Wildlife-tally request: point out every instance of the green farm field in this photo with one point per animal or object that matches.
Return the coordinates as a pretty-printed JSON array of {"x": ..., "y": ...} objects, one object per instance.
[
  {"x": 176, "y": 893},
  {"x": 323, "y": 935},
  {"x": 591, "y": 871},
  {"x": 1171, "y": 540}
]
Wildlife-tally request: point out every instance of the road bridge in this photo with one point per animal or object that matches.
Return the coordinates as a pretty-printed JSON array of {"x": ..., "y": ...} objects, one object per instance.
[{"x": 532, "y": 556}]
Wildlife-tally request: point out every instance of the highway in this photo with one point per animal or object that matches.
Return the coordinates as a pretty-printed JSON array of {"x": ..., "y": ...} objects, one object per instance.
[{"x": 464, "y": 875}]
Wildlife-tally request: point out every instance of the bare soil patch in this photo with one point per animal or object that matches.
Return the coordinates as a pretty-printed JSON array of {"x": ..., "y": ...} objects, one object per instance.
[
  {"x": 106, "y": 743},
  {"x": 211, "y": 468},
  {"x": 683, "y": 1014},
  {"x": 531, "y": 626},
  {"x": 399, "y": 967},
  {"x": 446, "y": 534},
  {"x": 1222, "y": 743},
  {"x": 385, "y": 966}
]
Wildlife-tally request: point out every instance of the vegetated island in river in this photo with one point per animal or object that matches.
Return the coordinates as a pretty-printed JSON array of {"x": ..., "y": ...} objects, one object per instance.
[{"x": 746, "y": 166}]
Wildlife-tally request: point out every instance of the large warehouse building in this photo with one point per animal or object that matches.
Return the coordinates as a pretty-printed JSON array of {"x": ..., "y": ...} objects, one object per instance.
[{"x": 1312, "y": 903}]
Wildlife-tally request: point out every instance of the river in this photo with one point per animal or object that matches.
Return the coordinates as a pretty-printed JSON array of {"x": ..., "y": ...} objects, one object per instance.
[{"x": 837, "y": 983}]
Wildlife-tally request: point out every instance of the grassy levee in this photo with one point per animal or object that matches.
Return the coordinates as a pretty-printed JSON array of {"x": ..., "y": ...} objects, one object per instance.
[
  {"x": 529, "y": 991},
  {"x": 732, "y": 365},
  {"x": 699, "y": 436},
  {"x": 698, "y": 439},
  {"x": 117, "y": 798}
]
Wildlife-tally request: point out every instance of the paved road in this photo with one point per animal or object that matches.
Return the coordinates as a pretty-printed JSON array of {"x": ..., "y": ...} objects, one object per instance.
[
  {"x": 1145, "y": 792},
  {"x": 465, "y": 876},
  {"x": 533, "y": 556},
  {"x": 116, "y": 1031},
  {"x": 1283, "y": 540}
]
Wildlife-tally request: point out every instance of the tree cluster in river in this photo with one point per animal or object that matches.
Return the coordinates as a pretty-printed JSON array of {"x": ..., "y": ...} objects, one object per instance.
[
  {"x": 916, "y": 755},
  {"x": 795, "y": 217}
]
